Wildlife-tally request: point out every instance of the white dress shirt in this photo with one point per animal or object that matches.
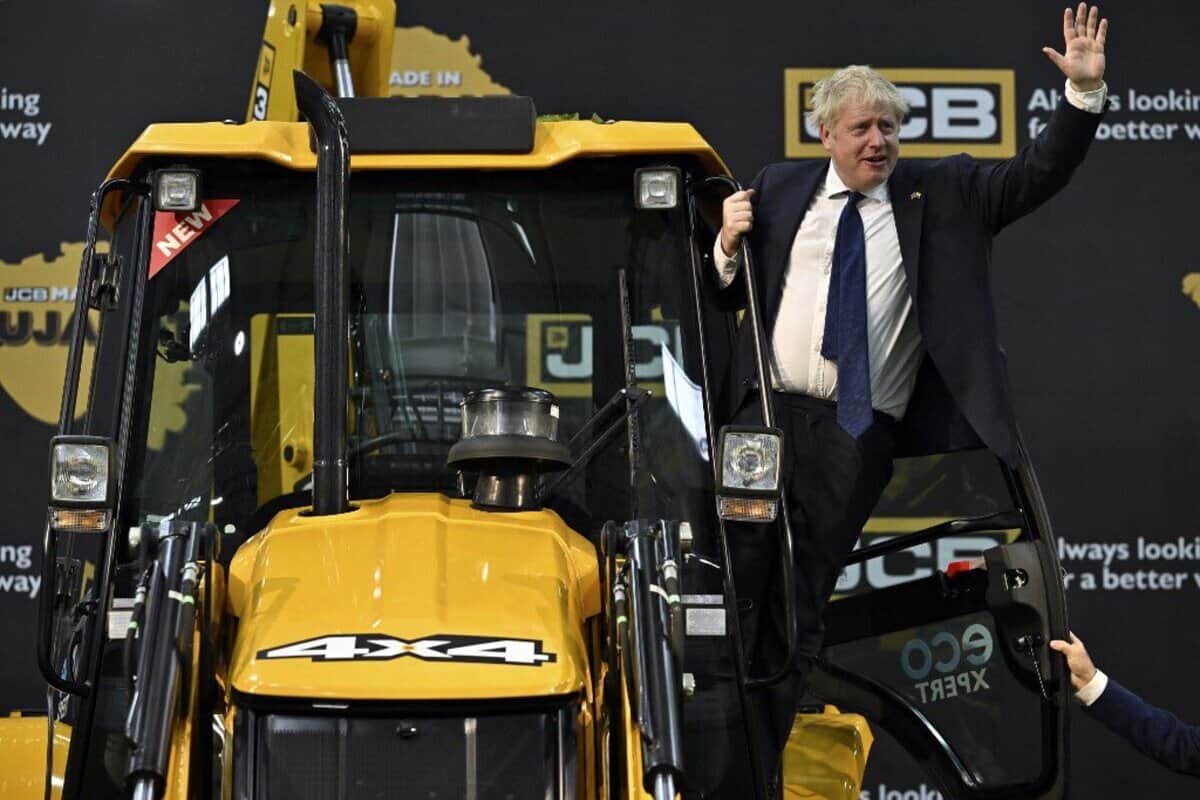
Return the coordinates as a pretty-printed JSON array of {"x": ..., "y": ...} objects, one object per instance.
[
  {"x": 1090, "y": 692},
  {"x": 893, "y": 341}
]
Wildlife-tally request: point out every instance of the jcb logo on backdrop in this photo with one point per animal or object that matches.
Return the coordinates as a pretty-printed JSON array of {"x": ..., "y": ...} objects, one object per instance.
[
  {"x": 37, "y": 317},
  {"x": 917, "y": 562},
  {"x": 560, "y": 352},
  {"x": 950, "y": 111},
  {"x": 39, "y": 294}
]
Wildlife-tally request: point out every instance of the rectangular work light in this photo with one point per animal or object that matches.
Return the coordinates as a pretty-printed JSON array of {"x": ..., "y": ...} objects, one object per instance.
[
  {"x": 81, "y": 483},
  {"x": 750, "y": 460},
  {"x": 177, "y": 189},
  {"x": 656, "y": 188}
]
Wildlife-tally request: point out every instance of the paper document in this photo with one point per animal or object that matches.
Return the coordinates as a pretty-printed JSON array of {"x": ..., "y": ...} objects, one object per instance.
[{"x": 684, "y": 397}]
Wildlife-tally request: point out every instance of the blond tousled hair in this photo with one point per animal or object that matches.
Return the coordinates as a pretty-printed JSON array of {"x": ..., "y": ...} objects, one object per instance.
[{"x": 855, "y": 82}]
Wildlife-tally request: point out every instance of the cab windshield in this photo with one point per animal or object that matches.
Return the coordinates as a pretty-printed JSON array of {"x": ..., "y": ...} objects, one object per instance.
[{"x": 458, "y": 282}]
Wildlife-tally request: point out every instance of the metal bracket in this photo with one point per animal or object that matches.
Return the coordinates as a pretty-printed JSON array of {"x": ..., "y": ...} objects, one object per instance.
[{"x": 105, "y": 272}]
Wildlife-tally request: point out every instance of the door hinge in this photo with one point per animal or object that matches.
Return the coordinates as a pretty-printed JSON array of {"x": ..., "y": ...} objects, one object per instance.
[{"x": 102, "y": 292}]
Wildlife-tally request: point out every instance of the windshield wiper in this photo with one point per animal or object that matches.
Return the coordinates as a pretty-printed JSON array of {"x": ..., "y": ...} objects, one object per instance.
[{"x": 631, "y": 398}]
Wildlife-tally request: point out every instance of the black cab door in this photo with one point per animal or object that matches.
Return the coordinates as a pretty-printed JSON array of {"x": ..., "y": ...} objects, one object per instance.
[{"x": 939, "y": 629}]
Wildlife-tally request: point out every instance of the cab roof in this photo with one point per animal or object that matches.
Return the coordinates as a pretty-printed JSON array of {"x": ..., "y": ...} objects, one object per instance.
[{"x": 287, "y": 144}]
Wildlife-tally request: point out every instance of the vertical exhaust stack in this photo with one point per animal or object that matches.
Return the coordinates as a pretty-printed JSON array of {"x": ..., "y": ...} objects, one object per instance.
[{"x": 330, "y": 287}]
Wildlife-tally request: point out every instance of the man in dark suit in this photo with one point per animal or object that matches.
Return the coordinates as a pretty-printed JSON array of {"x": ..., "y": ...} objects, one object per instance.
[
  {"x": 1153, "y": 731},
  {"x": 874, "y": 291}
]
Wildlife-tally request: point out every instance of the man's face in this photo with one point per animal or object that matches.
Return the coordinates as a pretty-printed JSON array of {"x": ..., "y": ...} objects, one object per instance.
[{"x": 864, "y": 143}]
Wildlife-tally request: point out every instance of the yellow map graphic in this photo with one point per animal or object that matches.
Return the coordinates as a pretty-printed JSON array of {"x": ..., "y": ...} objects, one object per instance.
[
  {"x": 1191, "y": 286},
  {"x": 36, "y": 304},
  {"x": 429, "y": 63}
]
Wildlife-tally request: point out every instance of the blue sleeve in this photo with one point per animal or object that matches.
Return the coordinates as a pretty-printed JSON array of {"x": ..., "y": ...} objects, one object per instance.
[{"x": 1155, "y": 732}]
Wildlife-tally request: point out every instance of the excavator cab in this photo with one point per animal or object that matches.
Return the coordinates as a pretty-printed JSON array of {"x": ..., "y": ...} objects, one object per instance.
[{"x": 459, "y": 601}]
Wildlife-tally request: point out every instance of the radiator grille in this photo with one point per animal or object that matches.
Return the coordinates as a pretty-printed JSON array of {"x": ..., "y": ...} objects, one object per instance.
[{"x": 297, "y": 756}]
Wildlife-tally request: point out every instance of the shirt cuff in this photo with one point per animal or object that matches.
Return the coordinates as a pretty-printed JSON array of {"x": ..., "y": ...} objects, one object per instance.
[
  {"x": 726, "y": 267},
  {"x": 1090, "y": 692},
  {"x": 1092, "y": 102}
]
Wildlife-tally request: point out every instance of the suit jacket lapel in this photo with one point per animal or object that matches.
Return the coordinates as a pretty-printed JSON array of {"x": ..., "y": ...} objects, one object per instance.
[
  {"x": 907, "y": 207},
  {"x": 793, "y": 199}
]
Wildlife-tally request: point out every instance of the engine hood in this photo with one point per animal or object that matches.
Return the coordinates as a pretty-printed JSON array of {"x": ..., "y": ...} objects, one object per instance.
[{"x": 413, "y": 597}]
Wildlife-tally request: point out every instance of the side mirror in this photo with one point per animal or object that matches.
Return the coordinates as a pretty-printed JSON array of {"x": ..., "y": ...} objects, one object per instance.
[
  {"x": 750, "y": 459},
  {"x": 82, "y": 484}
]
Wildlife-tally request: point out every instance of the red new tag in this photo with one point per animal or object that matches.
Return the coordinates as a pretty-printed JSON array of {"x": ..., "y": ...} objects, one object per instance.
[{"x": 173, "y": 232}]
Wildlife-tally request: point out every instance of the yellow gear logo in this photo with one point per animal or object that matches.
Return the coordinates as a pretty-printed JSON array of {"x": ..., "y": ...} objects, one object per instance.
[
  {"x": 1191, "y": 286},
  {"x": 37, "y": 307}
]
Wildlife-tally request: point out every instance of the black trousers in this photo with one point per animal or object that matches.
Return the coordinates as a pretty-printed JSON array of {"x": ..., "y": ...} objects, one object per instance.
[{"x": 831, "y": 484}]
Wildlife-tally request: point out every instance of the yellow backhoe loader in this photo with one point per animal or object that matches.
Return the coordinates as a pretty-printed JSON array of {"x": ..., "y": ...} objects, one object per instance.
[{"x": 399, "y": 474}]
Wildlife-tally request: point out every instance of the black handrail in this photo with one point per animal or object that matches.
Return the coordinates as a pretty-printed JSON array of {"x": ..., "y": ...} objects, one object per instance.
[
  {"x": 66, "y": 416},
  {"x": 729, "y": 591},
  {"x": 767, "y": 408},
  {"x": 1001, "y": 520}
]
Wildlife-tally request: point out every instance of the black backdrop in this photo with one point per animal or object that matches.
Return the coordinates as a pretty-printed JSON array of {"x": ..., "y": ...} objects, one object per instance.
[{"x": 1100, "y": 318}]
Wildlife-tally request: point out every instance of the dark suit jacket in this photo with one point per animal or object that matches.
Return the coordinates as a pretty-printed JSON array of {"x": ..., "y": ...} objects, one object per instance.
[
  {"x": 946, "y": 214},
  {"x": 1155, "y": 732}
]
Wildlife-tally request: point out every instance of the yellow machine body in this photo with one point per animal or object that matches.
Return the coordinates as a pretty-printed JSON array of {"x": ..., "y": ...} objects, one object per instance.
[
  {"x": 23, "y": 757},
  {"x": 826, "y": 756},
  {"x": 416, "y": 567}
]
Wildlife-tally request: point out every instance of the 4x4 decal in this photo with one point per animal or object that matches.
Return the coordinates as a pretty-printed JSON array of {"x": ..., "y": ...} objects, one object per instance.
[{"x": 377, "y": 647}]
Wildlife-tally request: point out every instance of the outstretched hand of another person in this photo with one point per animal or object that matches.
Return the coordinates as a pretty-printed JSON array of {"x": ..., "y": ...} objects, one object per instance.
[
  {"x": 1078, "y": 661},
  {"x": 737, "y": 218},
  {"x": 1083, "y": 58}
]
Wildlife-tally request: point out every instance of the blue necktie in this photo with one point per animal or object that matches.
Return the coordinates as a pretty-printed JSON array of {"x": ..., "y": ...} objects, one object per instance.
[{"x": 845, "y": 340}]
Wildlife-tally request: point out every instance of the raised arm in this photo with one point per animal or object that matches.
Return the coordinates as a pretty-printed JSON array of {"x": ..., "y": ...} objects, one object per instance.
[{"x": 1004, "y": 192}]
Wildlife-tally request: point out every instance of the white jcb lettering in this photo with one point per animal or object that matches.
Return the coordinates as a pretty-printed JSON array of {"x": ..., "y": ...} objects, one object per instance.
[
  {"x": 963, "y": 113},
  {"x": 558, "y": 367},
  {"x": 942, "y": 113}
]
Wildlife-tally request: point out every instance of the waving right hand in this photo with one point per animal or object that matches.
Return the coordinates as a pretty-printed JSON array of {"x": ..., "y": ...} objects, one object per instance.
[{"x": 737, "y": 218}]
